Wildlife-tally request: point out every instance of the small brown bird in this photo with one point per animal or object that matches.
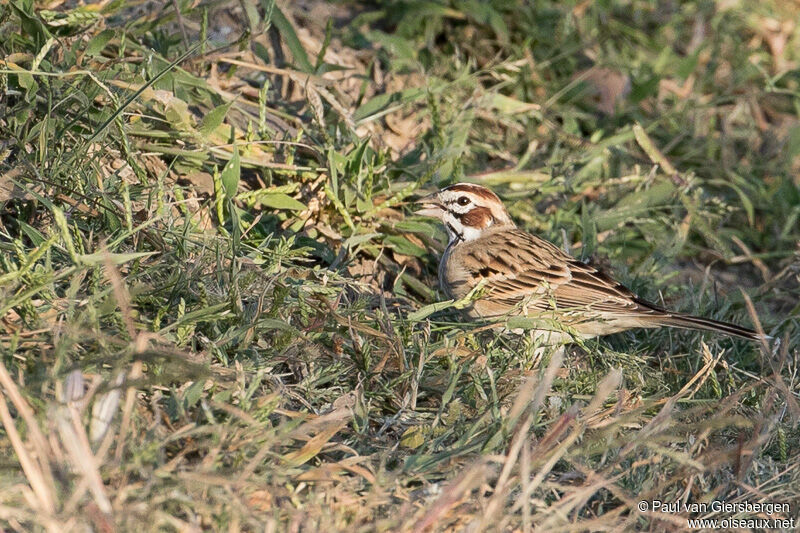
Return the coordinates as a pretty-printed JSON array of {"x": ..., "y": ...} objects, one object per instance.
[{"x": 523, "y": 274}]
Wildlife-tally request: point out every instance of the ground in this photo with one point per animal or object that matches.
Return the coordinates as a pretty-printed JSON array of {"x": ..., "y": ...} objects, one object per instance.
[{"x": 216, "y": 305}]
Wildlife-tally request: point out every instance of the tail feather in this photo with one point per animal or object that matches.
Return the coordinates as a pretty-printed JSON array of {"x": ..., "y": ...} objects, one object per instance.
[{"x": 696, "y": 322}]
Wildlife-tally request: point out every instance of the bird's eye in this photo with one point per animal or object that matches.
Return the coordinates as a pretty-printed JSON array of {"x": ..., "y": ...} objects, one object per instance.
[{"x": 463, "y": 200}]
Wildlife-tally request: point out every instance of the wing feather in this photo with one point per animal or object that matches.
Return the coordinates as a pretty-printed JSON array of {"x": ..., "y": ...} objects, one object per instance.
[{"x": 526, "y": 268}]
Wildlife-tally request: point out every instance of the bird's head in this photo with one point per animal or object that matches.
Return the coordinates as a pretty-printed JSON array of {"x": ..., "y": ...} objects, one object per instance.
[{"x": 466, "y": 210}]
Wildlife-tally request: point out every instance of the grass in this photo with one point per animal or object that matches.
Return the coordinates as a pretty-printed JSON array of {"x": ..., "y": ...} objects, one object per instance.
[{"x": 214, "y": 300}]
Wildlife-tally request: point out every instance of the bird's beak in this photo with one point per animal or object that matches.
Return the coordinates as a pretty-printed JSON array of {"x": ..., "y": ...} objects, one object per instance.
[{"x": 431, "y": 206}]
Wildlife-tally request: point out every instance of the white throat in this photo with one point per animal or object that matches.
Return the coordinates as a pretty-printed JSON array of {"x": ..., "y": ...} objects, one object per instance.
[
  {"x": 457, "y": 232},
  {"x": 470, "y": 234}
]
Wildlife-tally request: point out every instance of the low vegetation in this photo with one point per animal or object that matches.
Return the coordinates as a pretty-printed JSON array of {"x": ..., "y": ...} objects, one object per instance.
[{"x": 216, "y": 306}]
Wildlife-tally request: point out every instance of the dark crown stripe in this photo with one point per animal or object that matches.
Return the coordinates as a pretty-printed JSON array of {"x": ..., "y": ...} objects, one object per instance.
[{"x": 477, "y": 190}]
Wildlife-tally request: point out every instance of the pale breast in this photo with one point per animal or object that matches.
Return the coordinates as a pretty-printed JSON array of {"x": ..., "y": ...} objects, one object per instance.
[{"x": 451, "y": 277}]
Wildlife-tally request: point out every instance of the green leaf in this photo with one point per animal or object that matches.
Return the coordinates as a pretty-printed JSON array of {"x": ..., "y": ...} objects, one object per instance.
[
  {"x": 261, "y": 52},
  {"x": 98, "y": 43},
  {"x": 526, "y": 323},
  {"x": 288, "y": 33},
  {"x": 746, "y": 203},
  {"x": 325, "y": 44},
  {"x": 178, "y": 115},
  {"x": 193, "y": 394},
  {"x": 588, "y": 232},
  {"x": 688, "y": 64},
  {"x": 509, "y": 106},
  {"x": 274, "y": 323},
  {"x": 484, "y": 13},
  {"x": 375, "y": 107},
  {"x": 356, "y": 162},
  {"x": 355, "y": 240},
  {"x": 401, "y": 245},
  {"x": 98, "y": 258},
  {"x": 214, "y": 118},
  {"x": 413, "y": 437},
  {"x": 279, "y": 200},
  {"x": 130, "y": 99},
  {"x": 204, "y": 314},
  {"x": 253, "y": 18},
  {"x": 32, "y": 233},
  {"x": 30, "y": 23},
  {"x": 644, "y": 86},
  {"x": 636, "y": 204},
  {"x": 413, "y": 226},
  {"x": 428, "y": 310},
  {"x": 24, "y": 78},
  {"x": 403, "y": 51},
  {"x": 231, "y": 174}
]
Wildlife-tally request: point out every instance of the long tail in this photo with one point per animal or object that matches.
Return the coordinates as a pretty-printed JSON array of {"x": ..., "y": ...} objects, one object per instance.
[{"x": 695, "y": 322}]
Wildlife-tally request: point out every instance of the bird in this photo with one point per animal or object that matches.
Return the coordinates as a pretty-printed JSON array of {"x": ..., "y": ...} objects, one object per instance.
[{"x": 503, "y": 271}]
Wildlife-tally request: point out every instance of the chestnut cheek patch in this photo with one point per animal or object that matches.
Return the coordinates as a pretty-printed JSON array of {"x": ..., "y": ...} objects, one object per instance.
[{"x": 479, "y": 217}]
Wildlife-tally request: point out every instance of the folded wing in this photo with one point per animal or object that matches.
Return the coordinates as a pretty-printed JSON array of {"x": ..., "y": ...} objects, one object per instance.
[{"x": 521, "y": 269}]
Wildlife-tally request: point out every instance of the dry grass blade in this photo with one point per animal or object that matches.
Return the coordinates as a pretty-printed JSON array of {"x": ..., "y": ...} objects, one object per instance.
[
  {"x": 794, "y": 407},
  {"x": 314, "y": 445},
  {"x": 543, "y": 387},
  {"x": 555, "y": 455},
  {"x": 655, "y": 155},
  {"x": 33, "y": 472},
  {"x": 607, "y": 385},
  {"x": 501, "y": 486},
  {"x": 212, "y": 268},
  {"x": 454, "y": 493},
  {"x": 104, "y": 409},
  {"x": 76, "y": 442},
  {"x": 700, "y": 377},
  {"x": 40, "y": 444}
]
